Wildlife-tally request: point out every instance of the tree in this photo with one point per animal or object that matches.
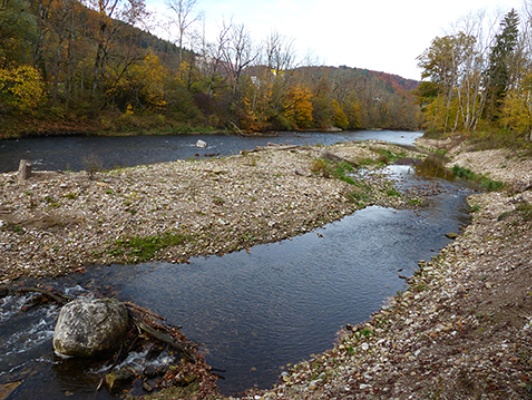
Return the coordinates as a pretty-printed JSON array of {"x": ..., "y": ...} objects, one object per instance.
[
  {"x": 238, "y": 53},
  {"x": 110, "y": 13},
  {"x": 183, "y": 20},
  {"x": 299, "y": 107},
  {"x": 21, "y": 88},
  {"x": 500, "y": 59},
  {"x": 18, "y": 34},
  {"x": 454, "y": 66},
  {"x": 140, "y": 85},
  {"x": 279, "y": 53}
]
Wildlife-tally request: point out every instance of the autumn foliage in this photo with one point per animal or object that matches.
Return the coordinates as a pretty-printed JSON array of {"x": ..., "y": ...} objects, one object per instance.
[
  {"x": 67, "y": 63},
  {"x": 474, "y": 82}
]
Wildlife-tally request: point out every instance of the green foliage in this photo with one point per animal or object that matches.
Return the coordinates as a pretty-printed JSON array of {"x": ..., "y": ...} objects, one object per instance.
[
  {"x": 479, "y": 91},
  {"x": 525, "y": 210},
  {"x": 500, "y": 138},
  {"x": 464, "y": 173},
  {"x": 392, "y": 193},
  {"x": 489, "y": 185},
  {"x": 498, "y": 76},
  {"x": 18, "y": 34},
  {"x": 18, "y": 229}
]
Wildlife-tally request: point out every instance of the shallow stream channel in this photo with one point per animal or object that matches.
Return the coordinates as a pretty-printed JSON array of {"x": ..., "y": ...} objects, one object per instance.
[{"x": 252, "y": 312}]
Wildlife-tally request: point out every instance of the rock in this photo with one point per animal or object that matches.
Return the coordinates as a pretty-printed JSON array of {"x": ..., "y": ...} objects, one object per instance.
[
  {"x": 451, "y": 235},
  {"x": 87, "y": 328},
  {"x": 201, "y": 144},
  {"x": 116, "y": 380}
]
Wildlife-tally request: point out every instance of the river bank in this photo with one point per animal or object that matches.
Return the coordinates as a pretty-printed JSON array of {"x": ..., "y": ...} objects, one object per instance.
[
  {"x": 58, "y": 222},
  {"x": 462, "y": 330}
]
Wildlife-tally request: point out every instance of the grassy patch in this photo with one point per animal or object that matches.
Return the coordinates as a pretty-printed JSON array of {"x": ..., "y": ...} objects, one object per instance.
[
  {"x": 525, "y": 210},
  {"x": 52, "y": 202},
  {"x": 143, "y": 248},
  {"x": 13, "y": 228},
  {"x": 415, "y": 202},
  {"x": 336, "y": 169},
  {"x": 485, "y": 183},
  {"x": 475, "y": 208},
  {"x": 392, "y": 193},
  {"x": 388, "y": 157}
]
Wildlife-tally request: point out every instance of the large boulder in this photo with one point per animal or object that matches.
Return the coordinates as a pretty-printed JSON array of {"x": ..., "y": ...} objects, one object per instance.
[{"x": 87, "y": 328}]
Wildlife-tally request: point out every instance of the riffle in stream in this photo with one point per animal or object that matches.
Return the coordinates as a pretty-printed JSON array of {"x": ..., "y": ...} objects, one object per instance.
[{"x": 252, "y": 312}]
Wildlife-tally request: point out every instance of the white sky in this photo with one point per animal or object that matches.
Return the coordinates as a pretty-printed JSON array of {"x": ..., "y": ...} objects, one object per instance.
[{"x": 382, "y": 35}]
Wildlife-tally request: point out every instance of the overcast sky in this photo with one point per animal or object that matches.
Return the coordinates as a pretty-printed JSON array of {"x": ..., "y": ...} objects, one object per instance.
[{"x": 382, "y": 35}]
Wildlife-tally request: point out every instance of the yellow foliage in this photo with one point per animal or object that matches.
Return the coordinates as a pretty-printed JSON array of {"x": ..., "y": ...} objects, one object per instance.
[
  {"x": 517, "y": 111},
  {"x": 22, "y": 87},
  {"x": 339, "y": 117},
  {"x": 299, "y": 106},
  {"x": 256, "y": 103},
  {"x": 142, "y": 82}
]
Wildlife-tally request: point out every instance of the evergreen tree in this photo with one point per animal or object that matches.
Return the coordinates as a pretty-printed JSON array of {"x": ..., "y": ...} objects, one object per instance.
[{"x": 498, "y": 73}]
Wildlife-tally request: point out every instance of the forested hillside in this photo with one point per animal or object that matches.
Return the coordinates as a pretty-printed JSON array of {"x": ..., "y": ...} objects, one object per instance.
[
  {"x": 67, "y": 66},
  {"x": 478, "y": 80}
]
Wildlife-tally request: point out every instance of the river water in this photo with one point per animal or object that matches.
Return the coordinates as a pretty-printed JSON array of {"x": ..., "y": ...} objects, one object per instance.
[
  {"x": 75, "y": 153},
  {"x": 251, "y": 312}
]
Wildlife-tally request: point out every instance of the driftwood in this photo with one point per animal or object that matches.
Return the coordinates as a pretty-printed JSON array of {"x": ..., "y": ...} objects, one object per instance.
[
  {"x": 333, "y": 157},
  {"x": 151, "y": 323},
  {"x": 49, "y": 293},
  {"x": 276, "y": 147}
]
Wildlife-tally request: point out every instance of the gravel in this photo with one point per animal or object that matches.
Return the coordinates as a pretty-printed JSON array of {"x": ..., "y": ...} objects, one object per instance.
[
  {"x": 58, "y": 222},
  {"x": 462, "y": 330}
]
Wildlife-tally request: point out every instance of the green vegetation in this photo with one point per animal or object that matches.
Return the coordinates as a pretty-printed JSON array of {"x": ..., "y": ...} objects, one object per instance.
[
  {"x": 392, "y": 193},
  {"x": 479, "y": 87},
  {"x": 475, "y": 208},
  {"x": 143, "y": 248},
  {"x": 336, "y": 169},
  {"x": 485, "y": 183},
  {"x": 523, "y": 210},
  {"x": 65, "y": 67},
  {"x": 388, "y": 157},
  {"x": 13, "y": 228}
]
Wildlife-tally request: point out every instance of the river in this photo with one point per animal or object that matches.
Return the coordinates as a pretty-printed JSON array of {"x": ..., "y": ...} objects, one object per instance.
[
  {"x": 76, "y": 153},
  {"x": 251, "y": 312}
]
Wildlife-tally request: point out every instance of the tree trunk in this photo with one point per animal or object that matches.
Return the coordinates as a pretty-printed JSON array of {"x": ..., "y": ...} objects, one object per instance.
[{"x": 24, "y": 170}]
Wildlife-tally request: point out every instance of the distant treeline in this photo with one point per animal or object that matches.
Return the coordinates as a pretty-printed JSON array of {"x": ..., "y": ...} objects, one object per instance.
[{"x": 67, "y": 66}]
